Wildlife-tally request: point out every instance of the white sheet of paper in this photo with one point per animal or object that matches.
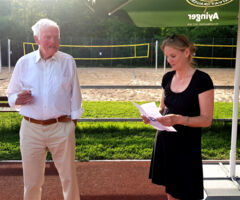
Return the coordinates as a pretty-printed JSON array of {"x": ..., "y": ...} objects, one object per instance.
[{"x": 151, "y": 111}]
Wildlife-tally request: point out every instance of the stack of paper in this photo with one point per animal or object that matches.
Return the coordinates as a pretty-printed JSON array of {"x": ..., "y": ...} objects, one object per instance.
[{"x": 151, "y": 111}]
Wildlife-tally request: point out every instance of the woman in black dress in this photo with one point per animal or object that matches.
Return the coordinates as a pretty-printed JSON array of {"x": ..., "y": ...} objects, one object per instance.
[{"x": 187, "y": 104}]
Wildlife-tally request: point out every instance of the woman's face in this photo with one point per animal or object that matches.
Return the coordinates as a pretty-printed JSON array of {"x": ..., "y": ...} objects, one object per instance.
[{"x": 176, "y": 58}]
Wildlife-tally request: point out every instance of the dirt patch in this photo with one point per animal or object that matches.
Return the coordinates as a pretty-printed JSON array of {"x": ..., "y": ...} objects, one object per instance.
[{"x": 132, "y": 76}]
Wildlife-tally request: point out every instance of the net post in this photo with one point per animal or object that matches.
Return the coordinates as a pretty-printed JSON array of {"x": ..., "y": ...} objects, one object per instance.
[
  {"x": 9, "y": 55},
  {"x": 156, "y": 56},
  {"x": 164, "y": 65},
  {"x": 0, "y": 57},
  {"x": 232, "y": 172},
  {"x": 24, "y": 50}
]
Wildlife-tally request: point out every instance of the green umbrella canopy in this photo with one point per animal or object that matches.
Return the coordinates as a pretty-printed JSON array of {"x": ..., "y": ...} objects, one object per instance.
[
  {"x": 102, "y": 8},
  {"x": 171, "y": 13}
]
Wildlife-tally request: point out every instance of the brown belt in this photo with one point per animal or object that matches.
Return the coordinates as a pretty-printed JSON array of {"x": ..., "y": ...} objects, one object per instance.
[{"x": 63, "y": 118}]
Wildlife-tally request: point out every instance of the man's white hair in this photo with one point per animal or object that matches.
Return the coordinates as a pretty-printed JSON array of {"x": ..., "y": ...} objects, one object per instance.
[{"x": 36, "y": 28}]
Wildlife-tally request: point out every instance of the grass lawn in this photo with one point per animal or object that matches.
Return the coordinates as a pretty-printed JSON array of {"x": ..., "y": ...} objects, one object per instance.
[{"x": 119, "y": 140}]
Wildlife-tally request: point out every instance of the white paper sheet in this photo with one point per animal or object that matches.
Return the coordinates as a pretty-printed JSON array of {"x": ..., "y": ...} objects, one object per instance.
[{"x": 151, "y": 111}]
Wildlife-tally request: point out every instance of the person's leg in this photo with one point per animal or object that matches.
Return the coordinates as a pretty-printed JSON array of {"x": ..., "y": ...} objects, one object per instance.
[
  {"x": 33, "y": 153},
  {"x": 62, "y": 148}
]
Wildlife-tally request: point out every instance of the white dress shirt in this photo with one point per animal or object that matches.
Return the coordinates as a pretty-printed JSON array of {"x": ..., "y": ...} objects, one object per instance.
[{"x": 54, "y": 85}]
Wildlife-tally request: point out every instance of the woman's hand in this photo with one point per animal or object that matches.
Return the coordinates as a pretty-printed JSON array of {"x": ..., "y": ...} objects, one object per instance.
[
  {"x": 169, "y": 120},
  {"x": 145, "y": 119}
]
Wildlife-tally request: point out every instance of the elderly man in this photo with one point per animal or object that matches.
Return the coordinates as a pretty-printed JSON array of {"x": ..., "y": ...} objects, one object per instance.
[{"x": 44, "y": 88}]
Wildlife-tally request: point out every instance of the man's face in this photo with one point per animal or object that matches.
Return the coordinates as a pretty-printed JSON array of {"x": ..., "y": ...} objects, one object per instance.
[{"x": 48, "y": 41}]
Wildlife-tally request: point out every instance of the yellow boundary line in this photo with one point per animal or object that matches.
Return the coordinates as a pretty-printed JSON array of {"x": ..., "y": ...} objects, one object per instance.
[
  {"x": 115, "y": 58},
  {"x": 104, "y": 46},
  {"x": 214, "y": 58},
  {"x": 214, "y": 45}
]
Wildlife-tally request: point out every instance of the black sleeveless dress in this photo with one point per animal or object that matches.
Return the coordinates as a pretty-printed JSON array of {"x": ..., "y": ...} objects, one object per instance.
[{"x": 176, "y": 159}]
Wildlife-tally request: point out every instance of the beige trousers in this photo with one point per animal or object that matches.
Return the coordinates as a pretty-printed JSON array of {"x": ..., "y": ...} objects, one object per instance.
[{"x": 59, "y": 139}]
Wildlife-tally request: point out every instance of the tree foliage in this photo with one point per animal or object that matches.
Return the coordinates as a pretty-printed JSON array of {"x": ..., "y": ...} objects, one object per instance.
[{"x": 77, "y": 21}]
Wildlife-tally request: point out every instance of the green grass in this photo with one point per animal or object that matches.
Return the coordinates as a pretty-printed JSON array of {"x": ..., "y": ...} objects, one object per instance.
[
  {"x": 223, "y": 110},
  {"x": 216, "y": 141},
  {"x": 118, "y": 109},
  {"x": 119, "y": 140},
  {"x": 128, "y": 140},
  {"x": 110, "y": 109}
]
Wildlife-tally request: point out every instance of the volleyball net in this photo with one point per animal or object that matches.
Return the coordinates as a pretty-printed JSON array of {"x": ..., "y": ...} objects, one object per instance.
[
  {"x": 214, "y": 46},
  {"x": 145, "y": 54},
  {"x": 103, "y": 52}
]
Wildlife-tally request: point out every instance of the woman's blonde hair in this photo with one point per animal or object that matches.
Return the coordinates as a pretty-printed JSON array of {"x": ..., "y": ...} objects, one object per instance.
[{"x": 180, "y": 42}]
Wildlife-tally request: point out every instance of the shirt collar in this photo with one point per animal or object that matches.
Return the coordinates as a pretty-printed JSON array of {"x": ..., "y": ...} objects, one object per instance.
[{"x": 38, "y": 56}]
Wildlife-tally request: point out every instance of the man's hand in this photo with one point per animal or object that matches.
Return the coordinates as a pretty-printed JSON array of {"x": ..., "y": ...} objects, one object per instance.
[
  {"x": 75, "y": 122},
  {"x": 24, "y": 97}
]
